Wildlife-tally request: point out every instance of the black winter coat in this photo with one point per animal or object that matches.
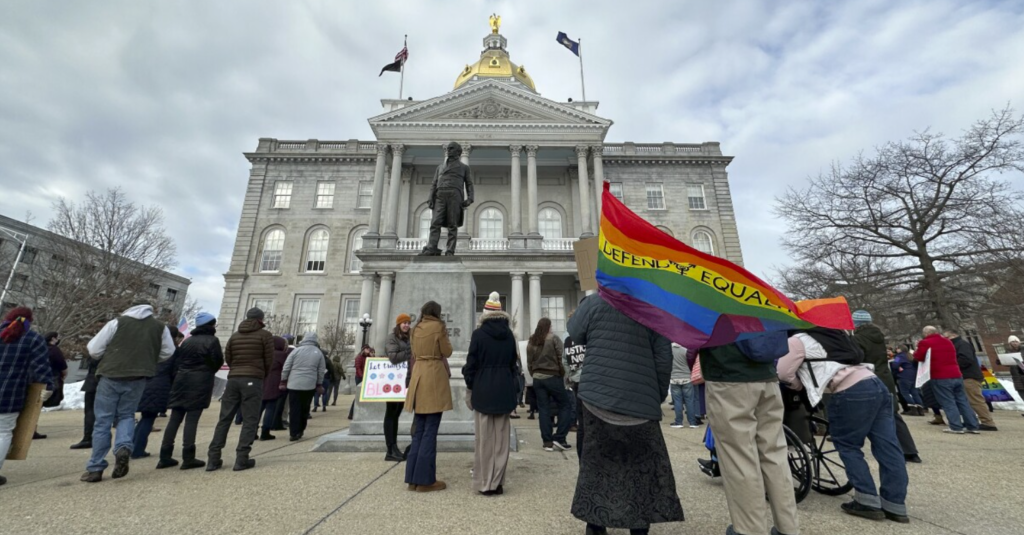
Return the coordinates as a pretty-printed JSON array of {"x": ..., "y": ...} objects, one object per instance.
[
  {"x": 628, "y": 365},
  {"x": 871, "y": 339},
  {"x": 199, "y": 358},
  {"x": 158, "y": 387},
  {"x": 91, "y": 382},
  {"x": 491, "y": 371},
  {"x": 272, "y": 383},
  {"x": 967, "y": 359}
]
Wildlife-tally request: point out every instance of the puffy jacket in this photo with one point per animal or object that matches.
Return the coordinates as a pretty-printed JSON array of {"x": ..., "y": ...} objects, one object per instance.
[
  {"x": 197, "y": 361},
  {"x": 158, "y": 388},
  {"x": 627, "y": 366},
  {"x": 545, "y": 359},
  {"x": 271, "y": 388},
  {"x": 491, "y": 371},
  {"x": 871, "y": 339},
  {"x": 1018, "y": 379},
  {"x": 905, "y": 368},
  {"x": 944, "y": 364},
  {"x": 967, "y": 359},
  {"x": 250, "y": 351},
  {"x": 306, "y": 366}
]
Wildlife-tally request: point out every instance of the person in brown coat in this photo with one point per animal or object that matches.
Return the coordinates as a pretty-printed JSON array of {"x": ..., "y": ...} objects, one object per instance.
[
  {"x": 428, "y": 397},
  {"x": 250, "y": 355}
]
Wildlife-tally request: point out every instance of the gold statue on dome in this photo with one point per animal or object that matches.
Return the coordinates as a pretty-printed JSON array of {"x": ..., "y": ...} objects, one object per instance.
[{"x": 495, "y": 21}]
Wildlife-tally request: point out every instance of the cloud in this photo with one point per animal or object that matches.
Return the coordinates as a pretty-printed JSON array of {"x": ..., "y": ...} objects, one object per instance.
[{"x": 162, "y": 98}]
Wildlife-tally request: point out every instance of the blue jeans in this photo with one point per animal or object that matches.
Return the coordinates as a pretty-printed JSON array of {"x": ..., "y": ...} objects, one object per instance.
[
  {"x": 684, "y": 395},
  {"x": 325, "y": 396},
  {"x": 911, "y": 394},
  {"x": 421, "y": 464},
  {"x": 865, "y": 411},
  {"x": 951, "y": 396},
  {"x": 116, "y": 401},
  {"x": 546, "y": 390},
  {"x": 141, "y": 435}
]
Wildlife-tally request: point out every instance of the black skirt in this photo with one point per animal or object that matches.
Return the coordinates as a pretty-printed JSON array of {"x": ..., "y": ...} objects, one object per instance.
[{"x": 626, "y": 478}]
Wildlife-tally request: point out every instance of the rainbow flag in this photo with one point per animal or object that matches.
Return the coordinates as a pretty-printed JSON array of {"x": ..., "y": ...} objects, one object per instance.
[
  {"x": 693, "y": 298},
  {"x": 992, "y": 389}
]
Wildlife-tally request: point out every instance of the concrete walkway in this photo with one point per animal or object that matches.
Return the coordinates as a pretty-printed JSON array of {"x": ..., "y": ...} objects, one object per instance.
[{"x": 967, "y": 485}]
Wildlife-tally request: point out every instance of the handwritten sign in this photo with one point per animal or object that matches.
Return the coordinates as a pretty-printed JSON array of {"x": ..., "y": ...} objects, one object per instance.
[{"x": 383, "y": 381}]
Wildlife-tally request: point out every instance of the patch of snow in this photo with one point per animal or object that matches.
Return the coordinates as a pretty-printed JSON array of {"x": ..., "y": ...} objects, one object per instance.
[
  {"x": 74, "y": 398},
  {"x": 1017, "y": 404}
]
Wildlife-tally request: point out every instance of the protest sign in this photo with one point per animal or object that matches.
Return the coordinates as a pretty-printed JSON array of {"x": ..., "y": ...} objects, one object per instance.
[{"x": 383, "y": 381}]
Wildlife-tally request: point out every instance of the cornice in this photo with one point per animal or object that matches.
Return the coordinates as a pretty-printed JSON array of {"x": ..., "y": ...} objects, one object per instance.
[
  {"x": 256, "y": 157},
  {"x": 667, "y": 160}
]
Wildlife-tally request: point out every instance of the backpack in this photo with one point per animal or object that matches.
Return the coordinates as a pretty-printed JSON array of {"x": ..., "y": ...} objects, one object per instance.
[{"x": 766, "y": 348}]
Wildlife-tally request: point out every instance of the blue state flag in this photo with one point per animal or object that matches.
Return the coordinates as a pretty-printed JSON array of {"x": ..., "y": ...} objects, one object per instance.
[{"x": 564, "y": 40}]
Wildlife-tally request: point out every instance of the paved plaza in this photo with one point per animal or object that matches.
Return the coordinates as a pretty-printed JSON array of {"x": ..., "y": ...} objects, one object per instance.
[{"x": 967, "y": 485}]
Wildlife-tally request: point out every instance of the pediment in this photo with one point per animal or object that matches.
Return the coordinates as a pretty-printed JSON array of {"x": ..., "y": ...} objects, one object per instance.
[{"x": 488, "y": 103}]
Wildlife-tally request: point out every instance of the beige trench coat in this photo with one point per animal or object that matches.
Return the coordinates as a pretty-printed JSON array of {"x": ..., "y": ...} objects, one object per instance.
[{"x": 429, "y": 390}]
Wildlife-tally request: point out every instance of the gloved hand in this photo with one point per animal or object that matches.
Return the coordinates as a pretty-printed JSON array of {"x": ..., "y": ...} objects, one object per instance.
[
  {"x": 45, "y": 395},
  {"x": 465, "y": 204},
  {"x": 283, "y": 386}
]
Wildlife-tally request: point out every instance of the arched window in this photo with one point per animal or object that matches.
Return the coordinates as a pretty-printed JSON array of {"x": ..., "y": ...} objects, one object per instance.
[
  {"x": 549, "y": 223},
  {"x": 492, "y": 224},
  {"x": 354, "y": 264},
  {"x": 666, "y": 230},
  {"x": 273, "y": 249},
  {"x": 703, "y": 242},
  {"x": 425, "y": 217},
  {"x": 316, "y": 251}
]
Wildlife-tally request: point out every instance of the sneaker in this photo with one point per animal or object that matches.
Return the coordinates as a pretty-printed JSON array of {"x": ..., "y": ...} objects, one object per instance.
[
  {"x": 563, "y": 445},
  {"x": 973, "y": 432},
  {"x": 984, "y": 427},
  {"x": 121, "y": 459},
  {"x": 549, "y": 446},
  {"x": 677, "y": 426},
  {"x": 952, "y": 431},
  {"x": 92, "y": 477},
  {"x": 693, "y": 427},
  {"x": 243, "y": 464},
  {"x": 902, "y": 519},
  {"x": 709, "y": 467},
  {"x": 863, "y": 511}
]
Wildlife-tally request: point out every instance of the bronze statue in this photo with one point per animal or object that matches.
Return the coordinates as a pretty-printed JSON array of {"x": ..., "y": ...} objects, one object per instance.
[{"x": 450, "y": 194}]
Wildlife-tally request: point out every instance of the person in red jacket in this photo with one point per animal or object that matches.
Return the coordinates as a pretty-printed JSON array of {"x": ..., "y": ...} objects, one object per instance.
[{"x": 947, "y": 381}]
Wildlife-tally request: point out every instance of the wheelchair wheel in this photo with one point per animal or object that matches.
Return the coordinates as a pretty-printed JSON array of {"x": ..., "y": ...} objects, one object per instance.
[
  {"x": 799, "y": 464},
  {"x": 829, "y": 472}
]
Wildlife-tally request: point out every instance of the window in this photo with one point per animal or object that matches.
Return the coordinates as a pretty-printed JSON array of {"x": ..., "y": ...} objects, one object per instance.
[
  {"x": 695, "y": 195},
  {"x": 316, "y": 252},
  {"x": 365, "y": 198},
  {"x": 28, "y": 257},
  {"x": 355, "y": 265},
  {"x": 990, "y": 324},
  {"x": 154, "y": 290},
  {"x": 425, "y": 217},
  {"x": 171, "y": 295},
  {"x": 350, "y": 319},
  {"x": 308, "y": 313},
  {"x": 972, "y": 336},
  {"x": 666, "y": 230},
  {"x": 273, "y": 249},
  {"x": 325, "y": 195},
  {"x": 703, "y": 242},
  {"x": 282, "y": 195},
  {"x": 264, "y": 304},
  {"x": 553, "y": 308},
  {"x": 492, "y": 224},
  {"x": 655, "y": 197},
  {"x": 549, "y": 223},
  {"x": 19, "y": 282},
  {"x": 615, "y": 188}
]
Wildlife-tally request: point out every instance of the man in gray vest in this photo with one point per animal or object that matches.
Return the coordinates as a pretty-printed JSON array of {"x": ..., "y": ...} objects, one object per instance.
[{"x": 128, "y": 349}]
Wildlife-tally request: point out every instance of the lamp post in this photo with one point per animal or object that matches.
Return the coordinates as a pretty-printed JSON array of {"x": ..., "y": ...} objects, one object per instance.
[
  {"x": 365, "y": 323},
  {"x": 22, "y": 240}
]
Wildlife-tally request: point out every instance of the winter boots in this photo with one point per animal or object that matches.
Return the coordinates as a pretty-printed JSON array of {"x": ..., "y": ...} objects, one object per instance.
[
  {"x": 265, "y": 435},
  {"x": 394, "y": 454},
  {"x": 188, "y": 458},
  {"x": 213, "y": 463},
  {"x": 166, "y": 458},
  {"x": 244, "y": 464},
  {"x": 938, "y": 420}
]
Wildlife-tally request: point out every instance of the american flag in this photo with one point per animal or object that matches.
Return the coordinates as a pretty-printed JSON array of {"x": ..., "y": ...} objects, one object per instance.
[{"x": 403, "y": 55}]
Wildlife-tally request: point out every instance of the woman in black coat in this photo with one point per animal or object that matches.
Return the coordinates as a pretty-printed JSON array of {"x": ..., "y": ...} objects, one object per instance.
[
  {"x": 491, "y": 375},
  {"x": 199, "y": 358},
  {"x": 154, "y": 398}
]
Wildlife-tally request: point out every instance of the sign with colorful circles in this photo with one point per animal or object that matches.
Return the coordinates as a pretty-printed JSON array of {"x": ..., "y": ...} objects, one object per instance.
[{"x": 383, "y": 381}]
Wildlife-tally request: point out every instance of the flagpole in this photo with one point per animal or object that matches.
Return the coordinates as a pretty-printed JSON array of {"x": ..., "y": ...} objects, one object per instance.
[
  {"x": 582, "y": 85},
  {"x": 401, "y": 79}
]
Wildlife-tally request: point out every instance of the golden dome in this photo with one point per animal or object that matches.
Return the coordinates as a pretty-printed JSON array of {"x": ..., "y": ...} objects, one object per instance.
[{"x": 494, "y": 63}]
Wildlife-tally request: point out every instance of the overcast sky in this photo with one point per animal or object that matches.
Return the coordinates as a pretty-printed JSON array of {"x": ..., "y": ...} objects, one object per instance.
[{"x": 162, "y": 98}]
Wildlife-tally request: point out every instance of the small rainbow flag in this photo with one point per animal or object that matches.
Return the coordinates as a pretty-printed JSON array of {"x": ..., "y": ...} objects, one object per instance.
[
  {"x": 992, "y": 389},
  {"x": 693, "y": 298}
]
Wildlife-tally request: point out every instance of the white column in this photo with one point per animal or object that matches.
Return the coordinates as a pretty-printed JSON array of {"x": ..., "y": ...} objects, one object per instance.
[
  {"x": 535, "y": 313},
  {"x": 596, "y": 151},
  {"x": 466, "y": 149},
  {"x": 383, "y": 319},
  {"x": 394, "y": 188},
  {"x": 378, "y": 189},
  {"x": 517, "y": 191},
  {"x": 531, "y": 188},
  {"x": 366, "y": 295},
  {"x": 581, "y": 160},
  {"x": 516, "y": 306},
  {"x": 403, "y": 201}
]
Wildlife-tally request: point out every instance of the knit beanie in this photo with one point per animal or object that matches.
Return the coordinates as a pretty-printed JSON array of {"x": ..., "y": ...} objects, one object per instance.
[
  {"x": 493, "y": 302},
  {"x": 203, "y": 318},
  {"x": 254, "y": 314},
  {"x": 403, "y": 318},
  {"x": 1012, "y": 338},
  {"x": 860, "y": 317}
]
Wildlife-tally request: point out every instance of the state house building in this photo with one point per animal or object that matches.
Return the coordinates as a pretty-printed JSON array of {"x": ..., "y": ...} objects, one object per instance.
[{"x": 326, "y": 224}]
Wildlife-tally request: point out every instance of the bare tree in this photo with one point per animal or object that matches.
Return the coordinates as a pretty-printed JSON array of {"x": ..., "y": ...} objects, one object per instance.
[
  {"x": 334, "y": 340},
  {"x": 926, "y": 215},
  {"x": 189, "y": 309},
  {"x": 102, "y": 253},
  {"x": 278, "y": 324}
]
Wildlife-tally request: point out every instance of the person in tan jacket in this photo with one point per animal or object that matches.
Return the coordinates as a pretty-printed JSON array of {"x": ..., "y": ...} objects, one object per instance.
[{"x": 428, "y": 397}]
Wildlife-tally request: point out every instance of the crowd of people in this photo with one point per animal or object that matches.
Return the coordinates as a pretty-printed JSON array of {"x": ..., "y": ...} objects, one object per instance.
[{"x": 605, "y": 379}]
